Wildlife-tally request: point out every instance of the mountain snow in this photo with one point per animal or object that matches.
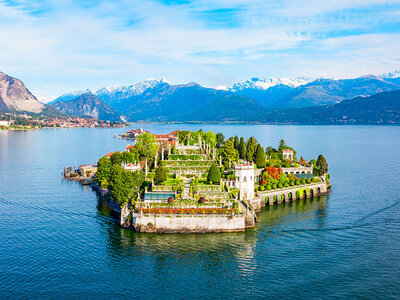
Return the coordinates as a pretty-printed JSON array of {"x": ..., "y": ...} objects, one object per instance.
[
  {"x": 120, "y": 91},
  {"x": 394, "y": 74},
  {"x": 264, "y": 84}
]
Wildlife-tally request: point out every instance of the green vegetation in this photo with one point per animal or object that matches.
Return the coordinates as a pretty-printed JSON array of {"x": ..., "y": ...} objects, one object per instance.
[
  {"x": 214, "y": 174},
  {"x": 124, "y": 185},
  {"x": 161, "y": 175},
  {"x": 260, "y": 157}
]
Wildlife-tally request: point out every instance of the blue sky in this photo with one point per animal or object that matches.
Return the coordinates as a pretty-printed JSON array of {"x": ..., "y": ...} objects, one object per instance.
[{"x": 59, "y": 46}]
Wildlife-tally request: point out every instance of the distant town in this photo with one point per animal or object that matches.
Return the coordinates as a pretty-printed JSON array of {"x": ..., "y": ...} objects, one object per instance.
[{"x": 13, "y": 121}]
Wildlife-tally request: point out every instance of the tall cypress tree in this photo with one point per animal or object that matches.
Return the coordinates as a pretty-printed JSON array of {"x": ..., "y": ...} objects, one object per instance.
[
  {"x": 236, "y": 142},
  {"x": 260, "y": 157},
  {"x": 251, "y": 148},
  {"x": 242, "y": 148}
]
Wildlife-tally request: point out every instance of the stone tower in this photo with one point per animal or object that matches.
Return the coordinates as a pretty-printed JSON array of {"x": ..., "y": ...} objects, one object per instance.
[{"x": 244, "y": 174}]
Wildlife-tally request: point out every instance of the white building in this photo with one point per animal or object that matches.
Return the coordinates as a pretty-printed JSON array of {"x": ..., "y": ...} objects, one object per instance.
[
  {"x": 131, "y": 167},
  {"x": 244, "y": 174},
  {"x": 287, "y": 154},
  {"x": 4, "y": 123}
]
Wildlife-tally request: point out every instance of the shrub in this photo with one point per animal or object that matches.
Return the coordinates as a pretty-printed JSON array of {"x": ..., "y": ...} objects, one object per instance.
[
  {"x": 161, "y": 175},
  {"x": 274, "y": 186},
  {"x": 262, "y": 188},
  {"x": 280, "y": 185},
  {"x": 308, "y": 180},
  {"x": 303, "y": 181},
  {"x": 292, "y": 182},
  {"x": 214, "y": 174},
  {"x": 286, "y": 184},
  {"x": 268, "y": 187},
  {"x": 170, "y": 199}
]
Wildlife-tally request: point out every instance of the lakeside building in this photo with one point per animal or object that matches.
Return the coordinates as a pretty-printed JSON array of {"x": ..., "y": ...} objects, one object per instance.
[{"x": 287, "y": 154}]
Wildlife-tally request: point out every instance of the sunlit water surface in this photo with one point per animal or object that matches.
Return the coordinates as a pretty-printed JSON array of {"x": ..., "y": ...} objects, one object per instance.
[{"x": 58, "y": 240}]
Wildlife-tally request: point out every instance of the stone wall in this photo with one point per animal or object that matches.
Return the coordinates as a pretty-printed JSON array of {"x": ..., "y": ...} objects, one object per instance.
[
  {"x": 290, "y": 194},
  {"x": 188, "y": 223}
]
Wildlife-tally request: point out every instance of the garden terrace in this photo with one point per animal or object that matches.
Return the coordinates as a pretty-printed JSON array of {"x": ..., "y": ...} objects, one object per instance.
[
  {"x": 164, "y": 188},
  {"x": 208, "y": 188},
  {"x": 179, "y": 163},
  {"x": 215, "y": 195},
  {"x": 189, "y": 169},
  {"x": 189, "y": 203},
  {"x": 187, "y": 157},
  {"x": 188, "y": 211}
]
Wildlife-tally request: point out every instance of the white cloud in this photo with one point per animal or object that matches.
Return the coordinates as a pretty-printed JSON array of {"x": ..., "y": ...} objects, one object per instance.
[{"x": 59, "y": 46}]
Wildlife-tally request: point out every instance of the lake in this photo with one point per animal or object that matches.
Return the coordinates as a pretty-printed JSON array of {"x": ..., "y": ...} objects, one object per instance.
[{"x": 58, "y": 239}]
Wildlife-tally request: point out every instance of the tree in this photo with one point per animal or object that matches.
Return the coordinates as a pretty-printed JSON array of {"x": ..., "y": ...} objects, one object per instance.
[
  {"x": 103, "y": 171},
  {"x": 146, "y": 145},
  {"x": 229, "y": 153},
  {"x": 322, "y": 164},
  {"x": 161, "y": 175},
  {"x": 214, "y": 174},
  {"x": 236, "y": 143},
  {"x": 124, "y": 185},
  {"x": 242, "y": 148},
  {"x": 251, "y": 148},
  {"x": 116, "y": 158},
  {"x": 282, "y": 144},
  {"x": 220, "y": 139},
  {"x": 129, "y": 157},
  {"x": 260, "y": 157}
]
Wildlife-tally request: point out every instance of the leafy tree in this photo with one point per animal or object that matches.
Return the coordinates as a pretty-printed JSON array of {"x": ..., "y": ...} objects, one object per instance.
[
  {"x": 242, "y": 148},
  {"x": 161, "y": 175},
  {"x": 236, "y": 143},
  {"x": 282, "y": 144},
  {"x": 116, "y": 158},
  {"x": 146, "y": 145},
  {"x": 251, "y": 148},
  {"x": 124, "y": 185},
  {"x": 229, "y": 153},
  {"x": 103, "y": 170},
  {"x": 129, "y": 157},
  {"x": 211, "y": 139},
  {"x": 260, "y": 157},
  {"x": 220, "y": 139},
  {"x": 322, "y": 164},
  {"x": 214, "y": 174}
]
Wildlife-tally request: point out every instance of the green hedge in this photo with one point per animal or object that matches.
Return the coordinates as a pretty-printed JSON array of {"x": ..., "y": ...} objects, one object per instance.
[{"x": 187, "y": 157}]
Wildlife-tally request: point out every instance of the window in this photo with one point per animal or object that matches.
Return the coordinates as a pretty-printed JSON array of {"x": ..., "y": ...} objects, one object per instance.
[{"x": 244, "y": 179}]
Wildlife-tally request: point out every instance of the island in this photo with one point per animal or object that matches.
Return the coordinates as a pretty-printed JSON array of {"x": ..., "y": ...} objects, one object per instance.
[{"x": 196, "y": 181}]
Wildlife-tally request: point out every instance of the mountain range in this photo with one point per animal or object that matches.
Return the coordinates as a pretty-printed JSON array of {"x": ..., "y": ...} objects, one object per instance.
[
  {"x": 255, "y": 100},
  {"x": 161, "y": 101}
]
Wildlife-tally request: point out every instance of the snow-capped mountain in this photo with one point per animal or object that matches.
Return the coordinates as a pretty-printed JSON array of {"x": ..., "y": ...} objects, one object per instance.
[
  {"x": 264, "y": 84},
  {"x": 127, "y": 91},
  {"x": 390, "y": 75},
  {"x": 109, "y": 94}
]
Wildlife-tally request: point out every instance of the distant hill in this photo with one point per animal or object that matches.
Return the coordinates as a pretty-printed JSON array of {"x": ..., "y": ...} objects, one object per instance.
[
  {"x": 382, "y": 108},
  {"x": 15, "y": 97},
  {"x": 88, "y": 105}
]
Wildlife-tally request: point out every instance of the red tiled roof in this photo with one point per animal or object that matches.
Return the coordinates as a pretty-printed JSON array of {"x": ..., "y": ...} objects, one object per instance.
[
  {"x": 287, "y": 150},
  {"x": 109, "y": 154}
]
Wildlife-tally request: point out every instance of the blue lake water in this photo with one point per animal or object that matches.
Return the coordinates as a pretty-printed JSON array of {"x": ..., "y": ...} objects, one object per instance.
[{"x": 57, "y": 239}]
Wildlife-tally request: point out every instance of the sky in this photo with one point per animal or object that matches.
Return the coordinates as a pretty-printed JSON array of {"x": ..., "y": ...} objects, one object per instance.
[{"x": 59, "y": 46}]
